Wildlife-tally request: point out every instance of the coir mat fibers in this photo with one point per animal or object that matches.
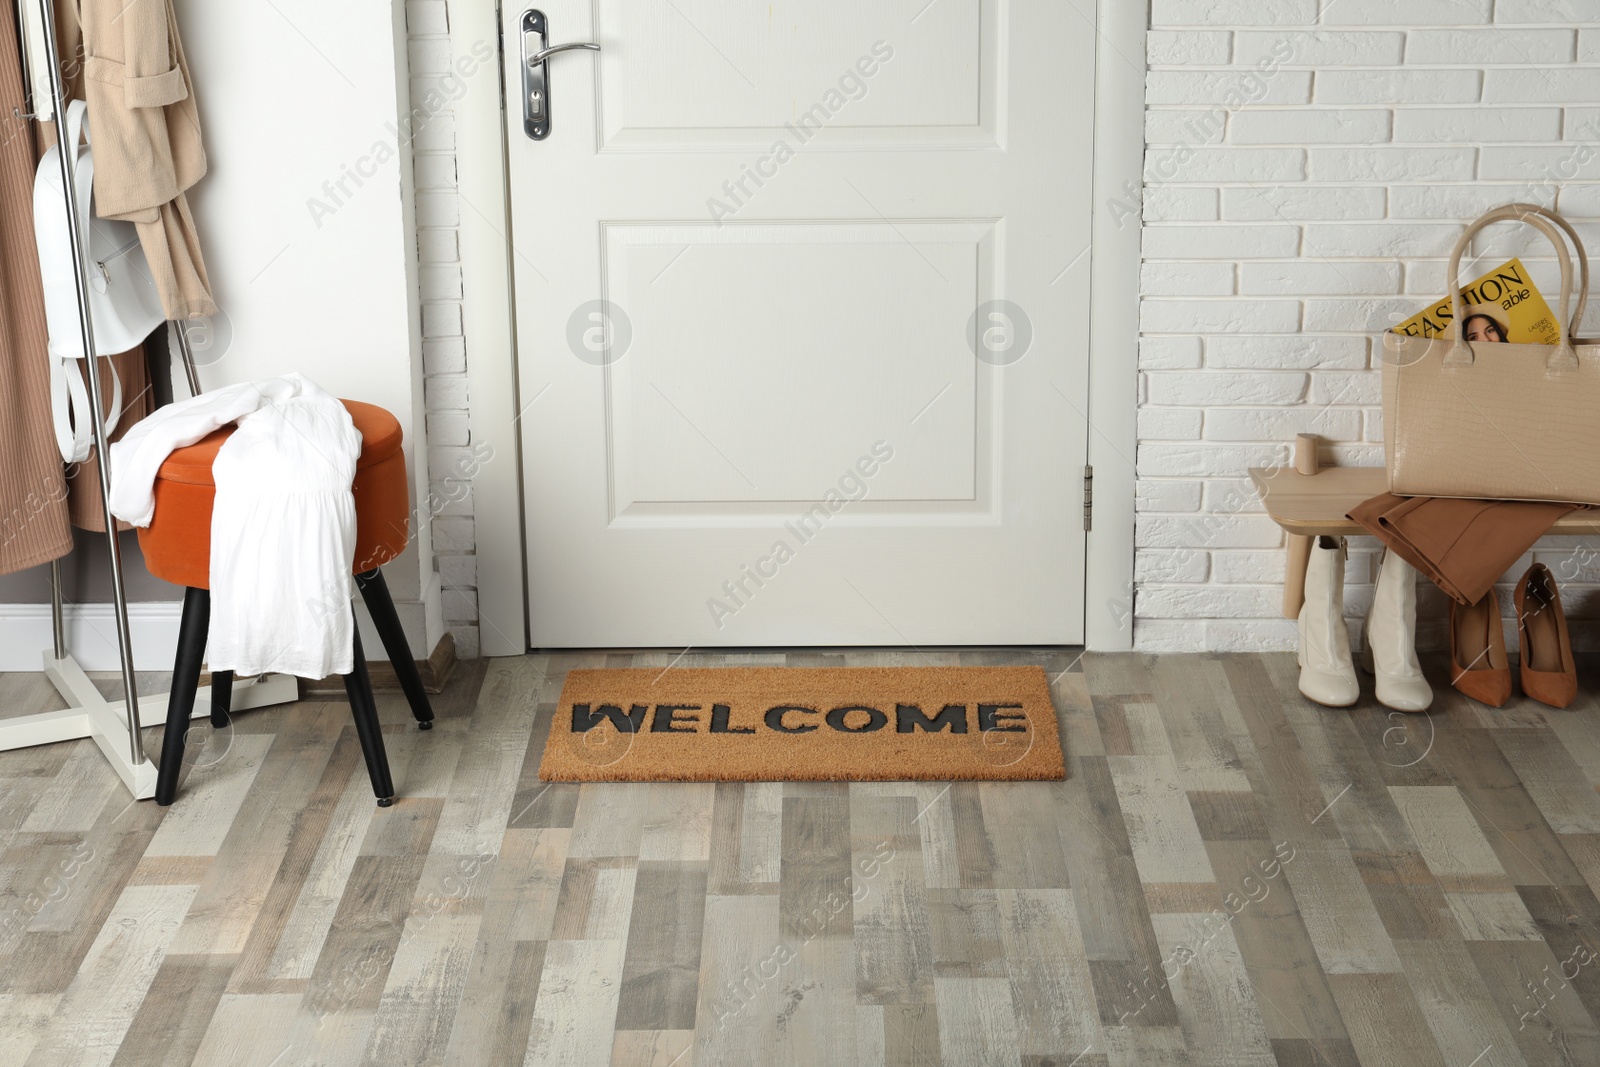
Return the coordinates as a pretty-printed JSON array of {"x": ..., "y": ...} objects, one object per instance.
[{"x": 761, "y": 724}]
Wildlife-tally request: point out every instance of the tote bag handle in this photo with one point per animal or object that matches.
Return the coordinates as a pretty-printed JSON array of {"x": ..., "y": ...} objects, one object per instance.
[
  {"x": 1576, "y": 322},
  {"x": 1563, "y": 358}
]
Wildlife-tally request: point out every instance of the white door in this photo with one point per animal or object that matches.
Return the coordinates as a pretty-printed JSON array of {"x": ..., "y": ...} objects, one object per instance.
[{"x": 802, "y": 304}]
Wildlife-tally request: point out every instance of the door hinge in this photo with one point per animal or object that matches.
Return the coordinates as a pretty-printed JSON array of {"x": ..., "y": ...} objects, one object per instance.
[{"x": 1088, "y": 497}]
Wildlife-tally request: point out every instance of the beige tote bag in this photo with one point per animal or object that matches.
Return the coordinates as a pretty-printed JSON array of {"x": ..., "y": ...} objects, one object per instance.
[{"x": 1496, "y": 421}]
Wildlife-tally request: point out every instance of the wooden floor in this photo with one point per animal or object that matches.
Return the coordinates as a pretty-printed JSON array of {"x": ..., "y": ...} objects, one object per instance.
[{"x": 1229, "y": 876}]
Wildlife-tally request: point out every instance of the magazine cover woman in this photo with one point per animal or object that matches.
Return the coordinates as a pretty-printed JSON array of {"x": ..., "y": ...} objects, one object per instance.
[{"x": 1486, "y": 322}]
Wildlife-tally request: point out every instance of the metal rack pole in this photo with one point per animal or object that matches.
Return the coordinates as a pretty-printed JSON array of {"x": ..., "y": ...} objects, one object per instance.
[
  {"x": 67, "y": 154},
  {"x": 187, "y": 354},
  {"x": 58, "y": 627}
]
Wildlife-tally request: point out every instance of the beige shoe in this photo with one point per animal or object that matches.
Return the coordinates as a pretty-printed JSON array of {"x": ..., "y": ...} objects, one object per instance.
[
  {"x": 1327, "y": 674},
  {"x": 1390, "y": 637}
]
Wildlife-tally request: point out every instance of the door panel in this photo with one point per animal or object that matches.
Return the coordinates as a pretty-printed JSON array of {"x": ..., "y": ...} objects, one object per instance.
[
  {"x": 725, "y": 73},
  {"x": 684, "y": 427},
  {"x": 771, "y": 396}
]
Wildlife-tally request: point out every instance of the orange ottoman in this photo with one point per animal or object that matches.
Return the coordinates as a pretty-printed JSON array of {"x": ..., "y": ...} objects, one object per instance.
[
  {"x": 177, "y": 547},
  {"x": 177, "y": 544}
]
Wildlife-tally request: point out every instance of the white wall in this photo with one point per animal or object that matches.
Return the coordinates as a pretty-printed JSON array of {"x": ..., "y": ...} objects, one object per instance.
[
  {"x": 1290, "y": 213},
  {"x": 297, "y": 97},
  {"x": 306, "y": 219}
]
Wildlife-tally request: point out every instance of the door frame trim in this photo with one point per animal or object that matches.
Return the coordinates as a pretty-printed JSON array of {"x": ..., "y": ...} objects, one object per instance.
[
  {"x": 488, "y": 255},
  {"x": 1108, "y": 589}
]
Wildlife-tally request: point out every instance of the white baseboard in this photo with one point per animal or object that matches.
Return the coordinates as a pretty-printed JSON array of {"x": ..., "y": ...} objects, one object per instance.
[{"x": 25, "y": 633}]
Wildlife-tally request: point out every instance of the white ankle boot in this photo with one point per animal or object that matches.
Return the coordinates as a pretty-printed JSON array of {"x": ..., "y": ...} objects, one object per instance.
[
  {"x": 1391, "y": 638},
  {"x": 1327, "y": 674}
]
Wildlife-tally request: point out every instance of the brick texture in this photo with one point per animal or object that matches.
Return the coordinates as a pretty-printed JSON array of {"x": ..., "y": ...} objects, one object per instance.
[
  {"x": 444, "y": 354},
  {"x": 1322, "y": 157}
]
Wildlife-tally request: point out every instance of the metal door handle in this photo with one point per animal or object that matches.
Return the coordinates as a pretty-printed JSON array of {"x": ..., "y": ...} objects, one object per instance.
[
  {"x": 535, "y": 75},
  {"x": 543, "y": 54}
]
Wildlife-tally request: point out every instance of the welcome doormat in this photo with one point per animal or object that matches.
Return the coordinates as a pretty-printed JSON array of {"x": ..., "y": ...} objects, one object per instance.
[{"x": 764, "y": 724}]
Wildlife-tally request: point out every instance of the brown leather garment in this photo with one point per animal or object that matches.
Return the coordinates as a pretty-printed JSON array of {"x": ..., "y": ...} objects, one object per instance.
[
  {"x": 33, "y": 495},
  {"x": 1464, "y": 546}
]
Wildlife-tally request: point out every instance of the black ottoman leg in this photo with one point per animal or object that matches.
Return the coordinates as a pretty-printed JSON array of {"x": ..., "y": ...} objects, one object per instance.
[
  {"x": 221, "y": 698},
  {"x": 185, "y": 680},
  {"x": 375, "y": 591},
  {"x": 365, "y": 710}
]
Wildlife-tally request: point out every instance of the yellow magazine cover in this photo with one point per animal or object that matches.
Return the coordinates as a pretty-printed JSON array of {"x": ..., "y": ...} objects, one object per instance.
[{"x": 1507, "y": 296}]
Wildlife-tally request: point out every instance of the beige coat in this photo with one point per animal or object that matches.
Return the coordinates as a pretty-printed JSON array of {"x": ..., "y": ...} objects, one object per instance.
[{"x": 146, "y": 136}]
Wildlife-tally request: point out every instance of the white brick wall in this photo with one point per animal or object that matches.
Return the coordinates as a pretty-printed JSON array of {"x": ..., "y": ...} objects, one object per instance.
[
  {"x": 1310, "y": 163},
  {"x": 444, "y": 355}
]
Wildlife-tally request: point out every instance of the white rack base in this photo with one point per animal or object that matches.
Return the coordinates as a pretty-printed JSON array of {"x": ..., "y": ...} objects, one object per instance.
[{"x": 106, "y": 722}]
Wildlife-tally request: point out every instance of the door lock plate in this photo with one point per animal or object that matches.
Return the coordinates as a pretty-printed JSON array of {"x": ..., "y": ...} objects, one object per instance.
[
  {"x": 536, "y": 53},
  {"x": 535, "y": 87}
]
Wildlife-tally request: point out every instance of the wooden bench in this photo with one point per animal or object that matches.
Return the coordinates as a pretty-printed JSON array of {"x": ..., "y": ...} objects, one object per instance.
[{"x": 1310, "y": 501}]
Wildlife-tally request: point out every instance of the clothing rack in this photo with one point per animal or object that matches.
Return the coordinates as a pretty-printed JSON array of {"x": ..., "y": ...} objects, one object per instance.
[{"x": 113, "y": 725}]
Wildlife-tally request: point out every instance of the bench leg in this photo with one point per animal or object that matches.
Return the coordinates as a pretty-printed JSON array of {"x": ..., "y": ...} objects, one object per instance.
[
  {"x": 1298, "y": 548},
  {"x": 1297, "y": 554}
]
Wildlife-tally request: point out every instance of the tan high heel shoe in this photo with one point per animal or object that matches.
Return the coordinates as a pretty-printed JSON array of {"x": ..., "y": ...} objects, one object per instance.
[
  {"x": 1548, "y": 674},
  {"x": 1479, "y": 666}
]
